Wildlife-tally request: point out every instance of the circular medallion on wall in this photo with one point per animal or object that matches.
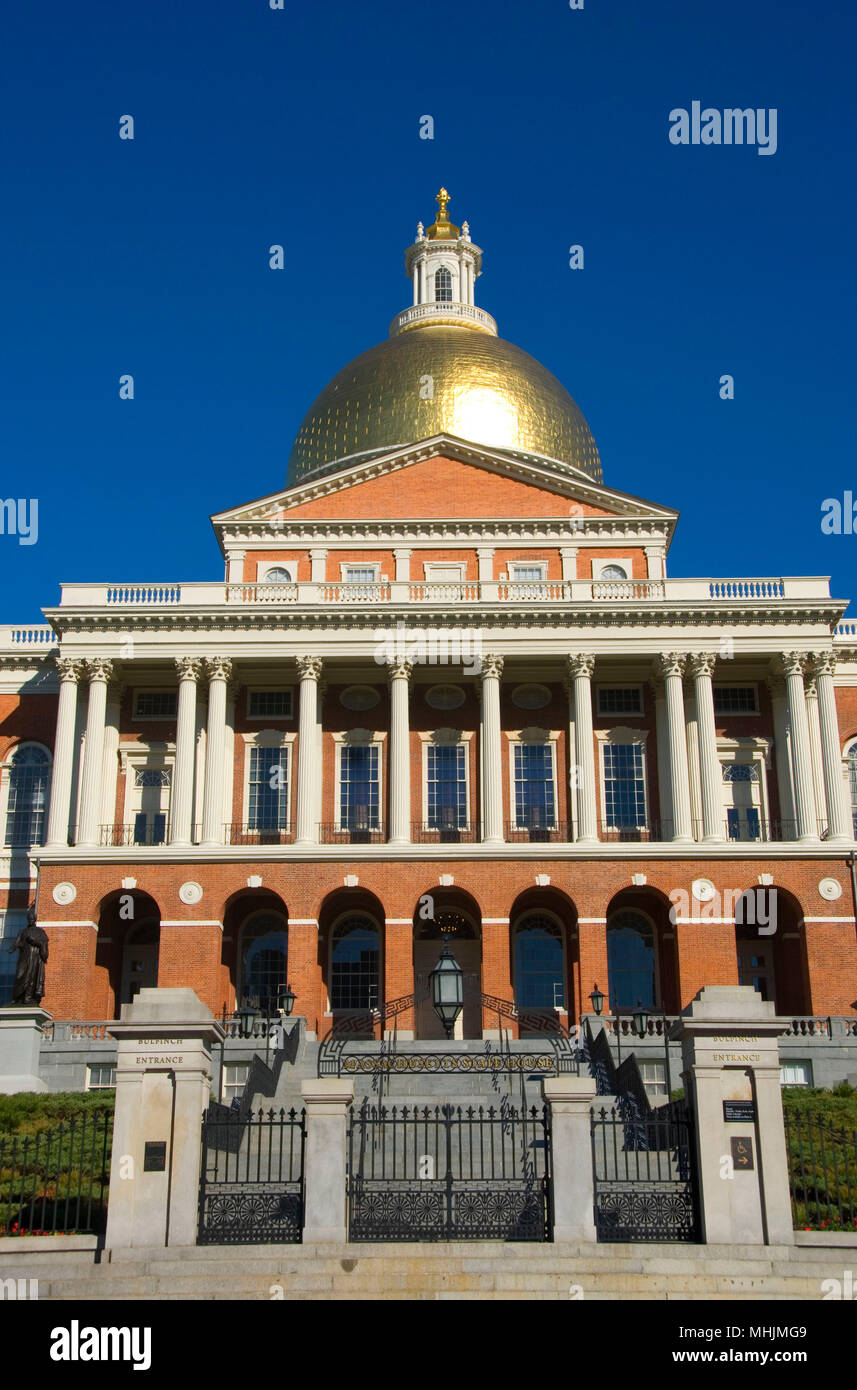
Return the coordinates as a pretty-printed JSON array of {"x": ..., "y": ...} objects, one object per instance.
[
  {"x": 703, "y": 889},
  {"x": 64, "y": 893},
  {"x": 445, "y": 697},
  {"x": 359, "y": 697},
  {"x": 531, "y": 696},
  {"x": 831, "y": 889},
  {"x": 190, "y": 892}
]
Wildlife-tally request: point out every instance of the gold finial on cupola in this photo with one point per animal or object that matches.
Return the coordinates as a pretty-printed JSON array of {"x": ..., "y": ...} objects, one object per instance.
[{"x": 442, "y": 229}]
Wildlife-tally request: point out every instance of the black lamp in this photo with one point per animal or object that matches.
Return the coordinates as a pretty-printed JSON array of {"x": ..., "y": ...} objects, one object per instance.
[
  {"x": 247, "y": 1014},
  {"x": 286, "y": 1000},
  {"x": 596, "y": 999},
  {"x": 641, "y": 1016},
  {"x": 447, "y": 988}
]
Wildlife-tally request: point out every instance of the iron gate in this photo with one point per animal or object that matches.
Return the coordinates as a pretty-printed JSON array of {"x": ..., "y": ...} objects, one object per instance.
[
  {"x": 447, "y": 1173},
  {"x": 251, "y": 1189},
  {"x": 644, "y": 1173}
]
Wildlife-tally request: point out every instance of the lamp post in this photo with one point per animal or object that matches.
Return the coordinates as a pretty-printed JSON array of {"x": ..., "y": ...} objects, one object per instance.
[
  {"x": 247, "y": 1015},
  {"x": 447, "y": 988}
]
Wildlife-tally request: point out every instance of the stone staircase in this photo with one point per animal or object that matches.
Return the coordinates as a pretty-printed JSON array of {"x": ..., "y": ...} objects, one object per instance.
[{"x": 460, "y": 1271}]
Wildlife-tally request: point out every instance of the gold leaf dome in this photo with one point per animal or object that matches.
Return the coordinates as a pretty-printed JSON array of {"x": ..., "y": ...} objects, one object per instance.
[{"x": 443, "y": 379}]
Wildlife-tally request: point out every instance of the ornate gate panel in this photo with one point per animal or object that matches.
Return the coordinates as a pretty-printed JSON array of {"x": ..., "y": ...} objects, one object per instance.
[
  {"x": 446, "y": 1173},
  {"x": 644, "y": 1172},
  {"x": 251, "y": 1189}
]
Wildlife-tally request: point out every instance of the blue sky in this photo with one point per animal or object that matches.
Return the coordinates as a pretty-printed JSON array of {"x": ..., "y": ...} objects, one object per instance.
[{"x": 301, "y": 127}]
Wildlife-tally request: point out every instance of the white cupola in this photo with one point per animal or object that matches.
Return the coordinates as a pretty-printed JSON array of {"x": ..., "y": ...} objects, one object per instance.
[{"x": 443, "y": 265}]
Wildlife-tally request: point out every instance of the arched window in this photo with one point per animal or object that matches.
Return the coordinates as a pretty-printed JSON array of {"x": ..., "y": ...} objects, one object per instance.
[
  {"x": 264, "y": 960},
  {"x": 538, "y": 964},
  {"x": 355, "y": 965},
  {"x": 277, "y": 575},
  {"x": 613, "y": 572},
  {"x": 29, "y": 780},
  {"x": 443, "y": 285},
  {"x": 631, "y": 961},
  {"x": 852, "y": 782}
]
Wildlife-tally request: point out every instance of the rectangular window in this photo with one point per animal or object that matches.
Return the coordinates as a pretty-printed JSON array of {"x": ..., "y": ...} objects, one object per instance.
[
  {"x": 624, "y": 786},
  {"x": 620, "y": 699},
  {"x": 796, "y": 1074},
  {"x": 359, "y": 789},
  {"x": 360, "y": 574},
  {"x": 526, "y": 574},
  {"x": 268, "y": 789},
  {"x": 269, "y": 704},
  {"x": 150, "y": 827},
  {"x": 447, "y": 786},
  {"x": 735, "y": 699},
  {"x": 534, "y": 786},
  {"x": 654, "y": 1077},
  {"x": 155, "y": 704},
  {"x": 101, "y": 1076},
  {"x": 234, "y": 1080}
]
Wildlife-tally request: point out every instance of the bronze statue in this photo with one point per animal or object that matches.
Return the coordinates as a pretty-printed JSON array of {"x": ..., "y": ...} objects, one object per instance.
[{"x": 32, "y": 947}]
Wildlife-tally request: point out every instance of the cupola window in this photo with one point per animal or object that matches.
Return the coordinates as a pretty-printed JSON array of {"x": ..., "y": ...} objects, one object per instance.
[{"x": 442, "y": 285}]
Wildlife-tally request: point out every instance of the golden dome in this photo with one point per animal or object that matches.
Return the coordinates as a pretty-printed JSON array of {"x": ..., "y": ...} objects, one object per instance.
[
  {"x": 443, "y": 380},
  {"x": 442, "y": 229}
]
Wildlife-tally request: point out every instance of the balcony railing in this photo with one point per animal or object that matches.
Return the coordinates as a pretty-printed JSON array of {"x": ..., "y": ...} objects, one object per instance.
[
  {"x": 491, "y": 591},
  {"x": 533, "y": 833},
  {"x": 351, "y": 835},
  {"x": 118, "y": 836},
  {"x": 422, "y": 834},
  {"x": 257, "y": 835}
]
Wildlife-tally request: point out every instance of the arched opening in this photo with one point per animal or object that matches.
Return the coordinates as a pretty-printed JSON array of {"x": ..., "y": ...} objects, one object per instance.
[
  {"x": 770, "y": 939},
  {"x": 453, "y": 915},
  {"x": 538, "y": 964},
  {"x": 29, "y": 776},
  {"x": 278, "y": 574},
  {"x": 263, "y": 960},
  {"x": 631, "y": 961},
  {"x": 127, "y": 948},
  {"x": 355, "y": 970},
  {"x": 443, "y": 285}
]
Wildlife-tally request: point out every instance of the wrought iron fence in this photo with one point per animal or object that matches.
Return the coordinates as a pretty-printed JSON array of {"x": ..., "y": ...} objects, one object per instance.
[
  {"x": 822, "y": 1173},
  {"x": 251, "y": 1189},
  {"x": 448, "y": 1173},
  {"x": 644, "y": 1174},
  {"x": 56, "y": 1181}
]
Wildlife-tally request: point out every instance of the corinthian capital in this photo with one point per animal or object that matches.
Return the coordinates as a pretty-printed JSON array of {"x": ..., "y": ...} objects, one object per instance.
[
  {"x": 68, "y": 669},
  {"x": 399, "y": 670},
  {"x": 581, "y": 664},
  {"x": 189, "y": 668},
  {"x": 218, "y": 668},
  {"x": 790, "y": 663},
  {"x": 98, "y": 668},
  {"x": 702, "y": 664},
  {"x": 492, "y": 666},
  {"x": 309, "y": 668},
  {"x": 670, "y": 664},
  {"x": 824, "y": 664}
]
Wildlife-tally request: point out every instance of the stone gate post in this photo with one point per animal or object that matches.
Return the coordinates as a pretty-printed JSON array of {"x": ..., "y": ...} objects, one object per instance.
[
  {"x": 163, "y": 1086},
  {"x": 732, "y": 1079},
  {"x": 328, "y": 1101},
  {"x": 570, "y": 1099}
]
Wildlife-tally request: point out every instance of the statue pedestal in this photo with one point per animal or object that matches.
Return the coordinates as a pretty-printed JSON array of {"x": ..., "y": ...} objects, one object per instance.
[{"x": 20, "y": 1042}]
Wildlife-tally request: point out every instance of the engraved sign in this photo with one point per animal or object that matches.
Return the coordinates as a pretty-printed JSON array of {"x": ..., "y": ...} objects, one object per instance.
[
  {"x": 742, "y": 1154},
  {"x": 155, "y": 1157}
]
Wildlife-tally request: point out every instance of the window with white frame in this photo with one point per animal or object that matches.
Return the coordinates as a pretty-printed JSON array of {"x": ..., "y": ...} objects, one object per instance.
[
  {"x": 359, "y": 574},
  {"x": 607, "y": 569},
  {"x": 270, "y": 704},
  {"x": 442, "y": 285},
  {"x": 736, "y": 699},
  {"x": 534, "y": 782},
  {"x": 437, "y": 573},
  {"x": 446, "y": 785},
  {"x": 101, "y": 1076},
  {"x": 624, "y": 782},
  {"x": 359, "y": 786},
  {"x": 268, "y": 788},
  {"x": 155, "y": 704},
  {"x": 654, "y": 1077},
  {"x": 277, "y": 574},
  {"x": 620, "y": 699},
  {"x": 527, "y": 572},
  {"x": 234, "y": 1080},
  {"x": 796, "y": 1073},
  {"x": 28, "y": 779}
]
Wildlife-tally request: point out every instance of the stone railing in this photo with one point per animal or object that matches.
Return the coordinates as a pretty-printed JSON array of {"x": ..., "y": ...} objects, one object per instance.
[
  {"x": 36, "y": 636},
  {"x": 443, "y": 309},
  {"x": 72, "y": 1031}
]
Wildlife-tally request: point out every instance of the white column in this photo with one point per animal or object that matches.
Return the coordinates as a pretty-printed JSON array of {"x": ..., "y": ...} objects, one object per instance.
[
  {"x": 219, "y": 671},
  {"x": 568, "y": 556},
  {"x": 309, "y": 671},
  {"x": 318, "y": 563},
  {"x": 791, "y": 666},
  {"x": 580, "y": 669},
  {"x": 110, "y": 762},
  {"x": 691, "y": 726},
  {"x": 403, "y": 565},
  {"x": 485, "y": 556},
  {"x": 573, "y": 771},
  {"x": 814, "y": 726},
  {"x": 181, "y": 801},
  {"x": 663, "y": 761},
  {"x": 235, "y": 566},
  {"x": 492, "y": 758},
  {"x": 838, "y": 810},
  {"x": 399, "y": 673},
  {"x": 99, "y": 672},
  {"x": 782, "y": 751},
  {"x": 416, "y": 279},
  {"x": 655, "y": 561},
  {"x": 59, "y": 814},
  {"x": 672, "y": 669},
  {"x": 711, "y": 772}
]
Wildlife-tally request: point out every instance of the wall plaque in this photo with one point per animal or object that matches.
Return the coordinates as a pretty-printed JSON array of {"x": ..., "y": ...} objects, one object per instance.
[
  {"x": 743, "y": 1110},
  {"x": 155, "y": 1157},
  {"x": 742, "y": 1154}
]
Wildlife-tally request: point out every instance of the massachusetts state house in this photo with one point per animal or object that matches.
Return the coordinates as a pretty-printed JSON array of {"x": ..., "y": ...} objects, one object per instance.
[{"x": 445, "y": 683}]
